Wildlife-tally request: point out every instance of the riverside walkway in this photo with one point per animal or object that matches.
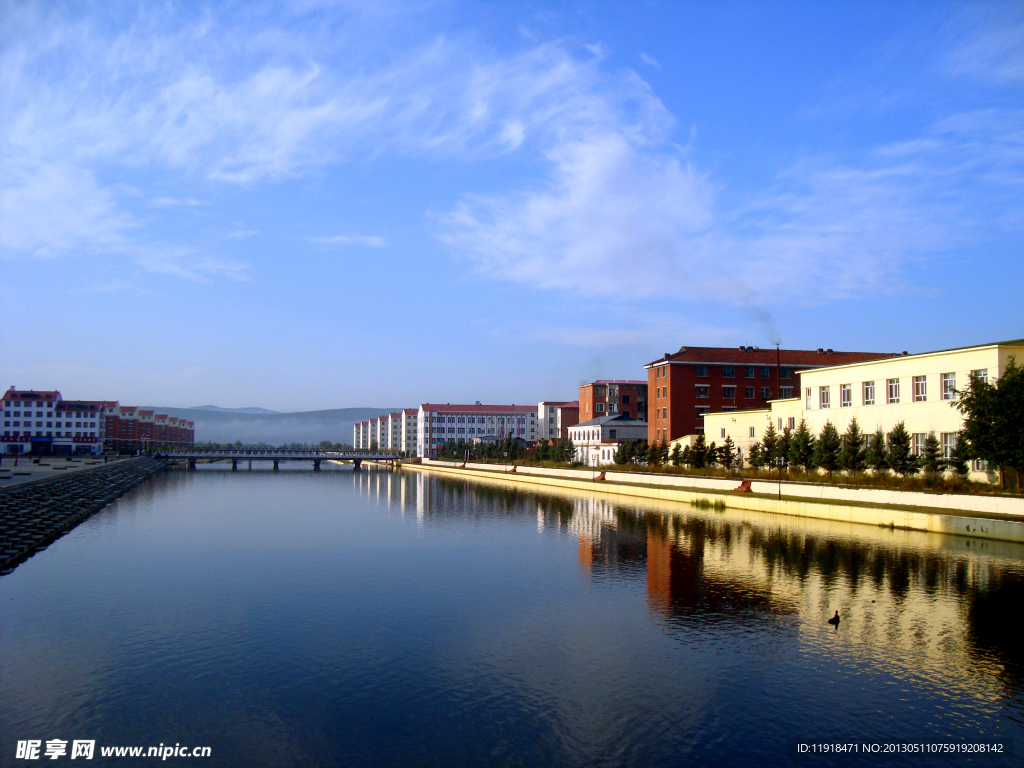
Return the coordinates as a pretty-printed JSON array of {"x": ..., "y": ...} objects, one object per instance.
[{"x": 191, "y": 456}]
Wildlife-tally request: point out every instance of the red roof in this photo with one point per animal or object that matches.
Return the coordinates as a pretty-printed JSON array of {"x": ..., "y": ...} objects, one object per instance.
[
  {"x": 410, "y": 411},
  {"x": 396, "y": 413},
  {"x": 479, "y": 408},
  {"x": 617, "y": 381},
  {"x": 16, "y": 394},
  {"x": 751, "y": 356},
  {"x": 574, "y": 404}
]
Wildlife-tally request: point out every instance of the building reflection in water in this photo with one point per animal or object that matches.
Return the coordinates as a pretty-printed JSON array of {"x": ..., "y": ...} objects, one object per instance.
[{"x": 906, "y": 598}]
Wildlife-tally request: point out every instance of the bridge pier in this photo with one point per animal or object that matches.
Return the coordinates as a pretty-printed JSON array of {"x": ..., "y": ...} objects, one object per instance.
[
  {"x": 250, "y": 465},
  {"x": 357, "y": 463},
  {"x": 234, "y": 465},
  {"x": 192, "y": 464},
  {"x": 316, "y": 465},
  {"x": 275, "y": 465}
]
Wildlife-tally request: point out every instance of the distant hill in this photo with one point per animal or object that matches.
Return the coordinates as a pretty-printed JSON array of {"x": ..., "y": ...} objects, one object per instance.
[
  {"x": 229, "y": 410},
  {"x": 254, "y": 425}
]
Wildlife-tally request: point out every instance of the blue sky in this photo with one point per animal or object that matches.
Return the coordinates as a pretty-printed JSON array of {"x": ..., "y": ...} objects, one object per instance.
[{"x": 322, "y": 205}]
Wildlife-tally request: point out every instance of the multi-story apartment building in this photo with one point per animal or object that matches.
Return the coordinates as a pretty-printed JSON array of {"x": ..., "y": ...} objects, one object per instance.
[
  {"x": 361, "y": 435},
  {"x": 697, "y": 380},
  {"x": 436, "y": 424},
  {"x": 916, "y": 389},
  {"x": 547, "y": 419},
  {"x": 597, "y": 440},
  {"x": 45, "y": 423},
  {"x": 566, "y": 415},
  {"x": 613, "y": 397}
]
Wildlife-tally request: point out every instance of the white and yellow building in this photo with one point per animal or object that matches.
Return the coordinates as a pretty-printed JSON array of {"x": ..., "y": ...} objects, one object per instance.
[{"x": 918, "y": 390}]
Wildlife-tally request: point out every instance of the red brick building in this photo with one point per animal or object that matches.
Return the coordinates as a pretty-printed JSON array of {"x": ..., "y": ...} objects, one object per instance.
[
  {"x": 610, "y": 397},
  {"x": 697, "y": 380}
]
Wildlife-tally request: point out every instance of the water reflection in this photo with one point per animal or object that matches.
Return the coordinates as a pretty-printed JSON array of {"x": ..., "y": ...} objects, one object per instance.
[{"x": 913, "y": 599}]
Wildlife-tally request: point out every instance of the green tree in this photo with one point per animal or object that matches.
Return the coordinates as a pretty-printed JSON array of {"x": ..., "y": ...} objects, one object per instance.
[
  {"x": 727, "y": 453},
  {"x": 876, "y": 455},
  {"x": 785, "y": 441},
  {"x": 931, "y": 458},
  {"x": 654, "y": 455},
  {"x": 770, "y": 443},
  {"x": 699, "y": 453},
  {"x": 801, "y": 447},
  {"x": 900, "y": 458},
  {"x": 624, "y": 453},
  {"x": 852, "y": 454},
  {"x": 826, "y": 452},
  {"x": 960, "y": 456},
  {"x": 684, "y": 457},
  {"x": 676, "y": 456},
  {"x": 994, "y": 419},
  {"x": 663, "y": 452},
  {"x": 755, "y": 456}
]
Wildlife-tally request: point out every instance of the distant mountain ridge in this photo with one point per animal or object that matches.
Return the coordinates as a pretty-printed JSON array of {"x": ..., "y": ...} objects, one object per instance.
[{"x": 257, "y": 425}]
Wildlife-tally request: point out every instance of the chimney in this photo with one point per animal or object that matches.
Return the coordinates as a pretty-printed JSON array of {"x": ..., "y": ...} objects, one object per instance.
[
  {"x": 828, "y": 351},
  {"x": 821, "y": 351},
  {"x": 478, "y": 402}
]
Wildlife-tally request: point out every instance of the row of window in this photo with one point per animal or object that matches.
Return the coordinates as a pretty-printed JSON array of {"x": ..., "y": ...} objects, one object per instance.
[
  {"x": 477, "y": 419},
  {"x": 79, "y": 424},
  {"x": 919, "y": 391},
  {"x": 39, "y": 433}
]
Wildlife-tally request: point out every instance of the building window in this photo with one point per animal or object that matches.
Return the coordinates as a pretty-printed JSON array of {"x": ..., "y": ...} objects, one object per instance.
[
  {"x": 807, "y": 398},
  {"x": 702, "y": 391},
  {"x": 780, "y": 424},
  {"x": 728, "y": 372},
  {"x": 599, "y": 407},
  {"x": 892, "y": 388},
  {"x": 766, "y": 393},
  {"x": 792, "y": 422},
  {"x": 949, "y": 386},
  {"x": 918, "y": 444},
  {"x": 981, "y": 373},
  {"x": 598, "y": 391},
  {"x": 766, "y": 372},
  {"x": 728, "y": 407},
  {"x": 785, "y": 373},
  {"x": 613, "y": 408},
  {"x": 845, "y": 395},
  {"x": 749, "y": 393},
  {"x": 868, "y": 393},
  {"x": 729, "y": 393},
  {"x": 625, "y": 399},
  {"x": 723, "y": 432},
  {"x": 824, "y": 397},
  {"x": 664, "y": 412},
  {"x": 701, "y": 410},
  {"x": 702, "y": 370},
  {"x": 785, "y": 392},
  {"x": 750, "y": 372},
  {"x": 948, "y": 444},
  {"x": 750, "y": 432},
  {"x": 920, "y": 384},
  {"x": 979, "y": 465}
]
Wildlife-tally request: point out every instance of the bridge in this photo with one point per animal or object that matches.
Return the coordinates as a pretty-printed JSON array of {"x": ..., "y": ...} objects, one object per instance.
[{"x": 191, "y": 456}]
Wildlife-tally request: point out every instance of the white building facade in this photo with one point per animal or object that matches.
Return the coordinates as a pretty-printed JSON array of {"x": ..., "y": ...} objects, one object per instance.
[
  {"x": 43, "y": 422},
  {"x": 437, "y": 424},
  {"x": 918, "y": 390},
  {"x": 596, "y": 441}
]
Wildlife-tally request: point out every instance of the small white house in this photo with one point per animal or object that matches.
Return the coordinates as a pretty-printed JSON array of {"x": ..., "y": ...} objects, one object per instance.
[{"x": 597, "y": 440}]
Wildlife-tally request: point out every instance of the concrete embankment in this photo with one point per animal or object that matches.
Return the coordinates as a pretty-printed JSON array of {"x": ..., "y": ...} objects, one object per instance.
[
  {"x": 968, "y": 523},
  {"x": 34, "y": 514}
]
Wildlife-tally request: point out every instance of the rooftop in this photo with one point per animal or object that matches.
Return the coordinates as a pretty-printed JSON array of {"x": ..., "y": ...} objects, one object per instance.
[
  {"x": 757, "y": 356},
  {"x": 478, "y": 408},
  {"x": 619, "y": 420}
]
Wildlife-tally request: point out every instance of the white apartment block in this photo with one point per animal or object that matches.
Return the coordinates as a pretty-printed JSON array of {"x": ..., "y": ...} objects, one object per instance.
[
  {"x": 918, "y": 390},
  {"x": 436, "y": 424},
  {"x": 547, "y": 420},
  {"x": 44, "y": 421}
]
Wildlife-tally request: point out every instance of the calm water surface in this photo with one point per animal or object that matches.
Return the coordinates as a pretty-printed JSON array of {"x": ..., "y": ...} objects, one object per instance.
[{"x": 381, "y": 619}]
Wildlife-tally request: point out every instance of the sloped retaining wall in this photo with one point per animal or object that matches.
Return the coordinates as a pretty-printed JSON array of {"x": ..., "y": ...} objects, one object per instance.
[{"x": 34, "y": 514}]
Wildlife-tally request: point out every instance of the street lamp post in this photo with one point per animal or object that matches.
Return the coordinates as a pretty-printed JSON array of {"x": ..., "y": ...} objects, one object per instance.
[{"x": 780, "y": 462}]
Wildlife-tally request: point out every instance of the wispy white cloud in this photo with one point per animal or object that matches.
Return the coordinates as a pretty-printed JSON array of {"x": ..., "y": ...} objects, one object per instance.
[
  {"x": 649, "y": 60},
  {"x": 174, "y": 202},
  {"x": 372, "y": 241},
  {"x": 241, "y": 234}
]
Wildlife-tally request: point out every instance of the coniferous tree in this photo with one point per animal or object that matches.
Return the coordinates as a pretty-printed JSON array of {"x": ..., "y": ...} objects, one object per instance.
[
  {"x": 755, "y": 456},
  {"x": 676, "y": 456},
  {"x": 785, "y": 441},
  {"x": 663, "y": 452},
  {"x": 826, "y": 452},
  {"x": 931, "y": 458},
  {"x": 877, "y": 456},
  {"x": 900, "y": 458},
  {"x": 624, "y": 453},
  {"x": 770, "y": 444},
  {"x": 699, "y": 453},
  {"x": 654, "y": 455},
  {"x": 727, "y": 454},
  {"x": 684, "y": 456},
  {"x": 801, "y": 447},
  {"x": 852, "y": 454},
  {"x": 960, "y": 456},
  {"x": 640, "y": 449},
  {"x": 711, "y": 457}
]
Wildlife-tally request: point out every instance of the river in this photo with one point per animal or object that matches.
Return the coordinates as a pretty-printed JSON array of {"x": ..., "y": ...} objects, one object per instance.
[{"x": 409, "y": 619}]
